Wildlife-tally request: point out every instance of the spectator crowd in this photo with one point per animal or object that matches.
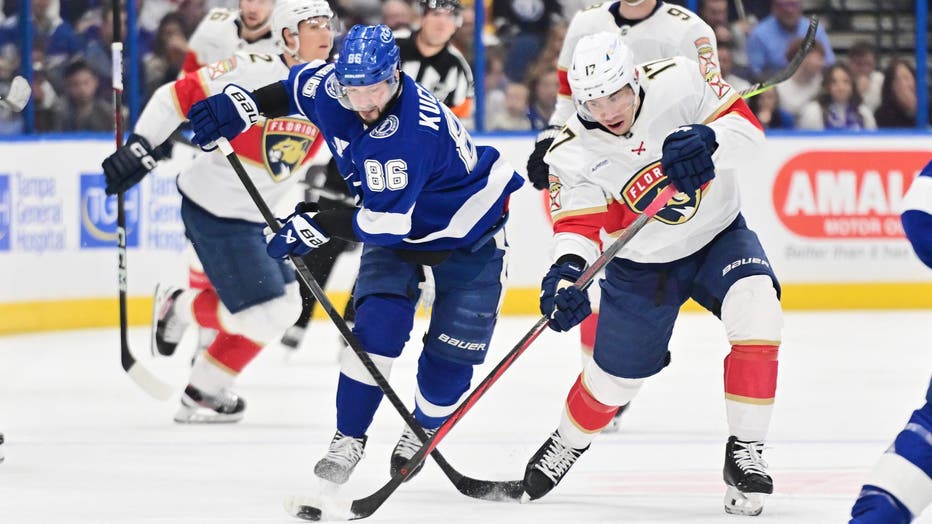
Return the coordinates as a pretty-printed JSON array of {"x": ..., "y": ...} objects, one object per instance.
[{"x": 71, "y": 62}]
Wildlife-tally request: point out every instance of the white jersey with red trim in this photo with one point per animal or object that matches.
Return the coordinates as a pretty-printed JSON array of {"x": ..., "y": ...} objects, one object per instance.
[
  {"x": 601, "y": 182},
  {"x": 273, "y": 151},
  {"x": 217, "y": 37},
  {"x": 669, "y": 30}
]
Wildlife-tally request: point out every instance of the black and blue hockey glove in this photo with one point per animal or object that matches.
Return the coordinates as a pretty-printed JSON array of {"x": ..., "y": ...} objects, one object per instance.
[
  {"x": 565, "y": 304},
  {"x": 687, "y": 157},
  {"x": 129, "y": 164},
  {"x": 299, "y": 233},
  {"x": 226, "y": 114}
]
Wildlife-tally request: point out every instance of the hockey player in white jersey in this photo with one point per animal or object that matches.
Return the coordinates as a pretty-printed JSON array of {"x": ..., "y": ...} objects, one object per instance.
[
  {"x": 636, "y": 130},
  {"x": 899, "y": 487},
  {"x": 652, "y": 29},
  {"x": 253, "y": 299},
  {"x": 223, "y": 32}
]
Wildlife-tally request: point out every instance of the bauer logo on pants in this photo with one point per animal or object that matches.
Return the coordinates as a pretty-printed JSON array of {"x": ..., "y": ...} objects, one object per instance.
[
  {"x": 6, "y": 212},
  {"x": 99, "y": 214}
]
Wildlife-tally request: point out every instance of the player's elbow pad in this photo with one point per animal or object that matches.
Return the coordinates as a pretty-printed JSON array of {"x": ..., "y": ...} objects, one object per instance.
[
  {"x": 273, "y": 100},
  {"x": 918, "y": 228}
]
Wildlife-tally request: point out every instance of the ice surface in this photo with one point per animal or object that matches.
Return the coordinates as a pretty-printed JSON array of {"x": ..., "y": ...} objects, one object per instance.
[{"x": 85, "y": 445}]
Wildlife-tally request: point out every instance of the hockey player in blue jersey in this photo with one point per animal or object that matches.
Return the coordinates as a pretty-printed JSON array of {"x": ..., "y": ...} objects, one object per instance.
[
  {"x": 900, "y": 485},
  {"x": 430, "y": 200}
]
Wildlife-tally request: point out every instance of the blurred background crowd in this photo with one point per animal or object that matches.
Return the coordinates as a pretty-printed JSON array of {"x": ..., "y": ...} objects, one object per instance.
[{"x": 861, "y": 75}]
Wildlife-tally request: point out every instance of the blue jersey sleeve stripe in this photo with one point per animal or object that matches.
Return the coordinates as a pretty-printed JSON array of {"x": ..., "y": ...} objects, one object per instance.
[{"x": 476, "y": 206}]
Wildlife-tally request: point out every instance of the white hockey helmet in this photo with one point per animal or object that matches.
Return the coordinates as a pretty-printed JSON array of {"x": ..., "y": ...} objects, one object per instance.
[
  {"x": 602, "y": 64},
  {"x": 288, "y": 14}
]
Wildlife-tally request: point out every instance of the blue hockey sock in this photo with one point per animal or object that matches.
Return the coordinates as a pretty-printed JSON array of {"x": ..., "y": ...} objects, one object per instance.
[
  {"x": 441, "y": 383},
  {"x": 356, "y": 406},
  {"x": 877, "y": 506},
  {"x": 900, "y": 485}
]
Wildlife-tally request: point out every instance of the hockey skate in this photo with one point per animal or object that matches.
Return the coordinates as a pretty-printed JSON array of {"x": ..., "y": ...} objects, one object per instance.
[
  {"x": 341, "y": 459},
  {"x": 406, "y": 447},
  {"x": 293, "y": 337},
  {"x": 746, "y": 476},
  {"x": 548, "y": 466},
  {"x": 167, "y": 326},
  {"x": 198, "y": 407}
]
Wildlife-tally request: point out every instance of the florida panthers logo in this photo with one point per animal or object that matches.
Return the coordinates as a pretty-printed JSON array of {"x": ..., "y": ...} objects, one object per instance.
[
  {"x": 287, "y": 144},
  {"x": 647, "y": 184},
  {"x": 555, "y": 187}
]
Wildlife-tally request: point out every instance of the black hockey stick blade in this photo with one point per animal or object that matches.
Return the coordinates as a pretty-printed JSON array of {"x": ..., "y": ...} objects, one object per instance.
[
  {"x": 512, "y": 490},
  {"x": 791, "y": 67}
]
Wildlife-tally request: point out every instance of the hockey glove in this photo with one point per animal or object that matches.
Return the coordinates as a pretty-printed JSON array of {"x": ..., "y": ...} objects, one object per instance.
[
  {"x": 126, "y": 167},
  {"x": 565, "y": 304},
  {"x": 299, "y": 234},
  {"x": 538, "y": 172},
  {"x": 226, "y": 114},
  {"x": 687, "y": 157}
]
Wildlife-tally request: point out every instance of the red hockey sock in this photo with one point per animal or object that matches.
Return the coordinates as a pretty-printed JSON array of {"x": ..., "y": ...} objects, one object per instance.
[
  {"x": 751, "y": 373},
  {"x": 198, "y": 280},
  {"x": 207, "y": 309},
  {"x": 587, "y": 413},
  {"x": 232, "y": 352}
]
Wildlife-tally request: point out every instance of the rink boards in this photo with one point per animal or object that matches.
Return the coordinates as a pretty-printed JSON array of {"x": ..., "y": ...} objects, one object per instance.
[{"x": 825, "y": 207}]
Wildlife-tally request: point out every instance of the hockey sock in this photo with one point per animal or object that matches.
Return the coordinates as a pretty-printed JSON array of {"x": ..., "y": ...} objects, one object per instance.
[
  {"x": 198, "y": 279},
  {"x": 877, "y": 506},
  {"x": 384, "y": 326},
  {"x": 584, "y": 416},
  {"x": 206, "y": 306},
  {"x": 903, "y": 473},
  {"x": 356, "y": 406},
  {"x": 232, "y": 352},
  {"x": 441, "y": 384},
  {"x": 209, "y": 376},
  {"x": 750, "y": 387}
]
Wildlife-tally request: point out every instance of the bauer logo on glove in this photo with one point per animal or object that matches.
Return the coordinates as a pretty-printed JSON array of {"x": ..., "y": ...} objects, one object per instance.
[{"x": 298, "y": 237}]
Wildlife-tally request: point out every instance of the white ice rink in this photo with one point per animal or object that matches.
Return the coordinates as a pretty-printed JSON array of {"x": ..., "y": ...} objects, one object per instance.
[{"x": 85, "y": 445}]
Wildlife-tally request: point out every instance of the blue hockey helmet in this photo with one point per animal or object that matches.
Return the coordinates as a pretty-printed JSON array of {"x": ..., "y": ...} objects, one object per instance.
[{"x": 369, "y": 55}]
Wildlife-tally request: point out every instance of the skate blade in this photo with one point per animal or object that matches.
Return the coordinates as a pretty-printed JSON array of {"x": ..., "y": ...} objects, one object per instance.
[
  {"x": 187, "y": 415},
  {"x": 748, "y": 504}
]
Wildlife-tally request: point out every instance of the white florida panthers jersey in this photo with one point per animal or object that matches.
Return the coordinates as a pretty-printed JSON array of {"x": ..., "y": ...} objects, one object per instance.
[
  {"x": 670, "y": 30},
  {"x": 217, "y": 37},
  {"x": 600, "y": 181},
  {"x": 272, "y": 151}
]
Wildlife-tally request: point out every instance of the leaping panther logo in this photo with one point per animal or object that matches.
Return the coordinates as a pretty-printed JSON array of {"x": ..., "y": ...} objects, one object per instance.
[
  {"x": 644, "y": 186},
  {"x": 287, "y": 145}
]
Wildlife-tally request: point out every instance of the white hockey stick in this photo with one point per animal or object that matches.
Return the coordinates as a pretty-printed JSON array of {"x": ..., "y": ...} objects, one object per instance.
[{"x": 18, "y": 95}]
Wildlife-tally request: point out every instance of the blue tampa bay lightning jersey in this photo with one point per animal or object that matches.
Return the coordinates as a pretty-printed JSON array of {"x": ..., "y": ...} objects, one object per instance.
[
  {"x": 422, "y": 183},
  {"x": 917, "y": 214}
]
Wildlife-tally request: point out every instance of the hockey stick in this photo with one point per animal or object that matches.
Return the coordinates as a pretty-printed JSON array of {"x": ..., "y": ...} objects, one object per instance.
[
  {"x": 739, "y": 9},
  {"x": 140, "y": 375},
  {"x": 791, "y": 67},
  {"x": 366, "y": 506},
  {"x": 480, "y": 489},
  {"x": 18, "y": 95}
]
